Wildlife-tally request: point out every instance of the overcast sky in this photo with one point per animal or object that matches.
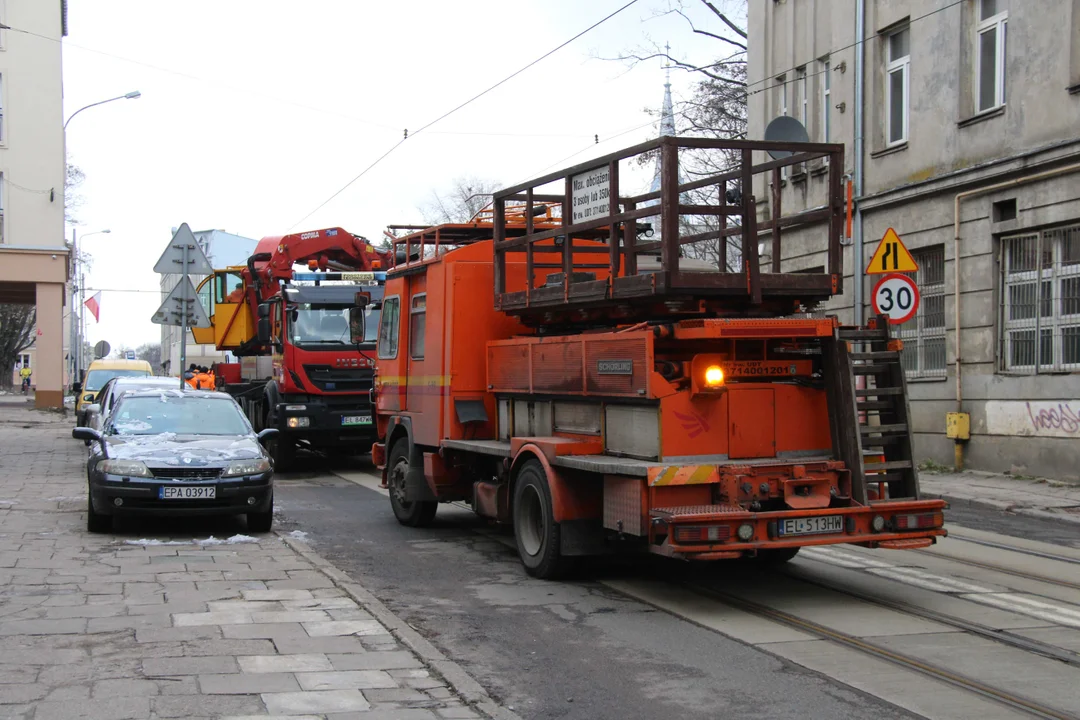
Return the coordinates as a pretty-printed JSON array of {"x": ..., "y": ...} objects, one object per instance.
[{"x": 253, "y": 112}]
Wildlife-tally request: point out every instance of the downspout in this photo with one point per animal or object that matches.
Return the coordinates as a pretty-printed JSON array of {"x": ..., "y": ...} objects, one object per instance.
[
  {"x": 960, "y": 197},
  {"x": 857, "y": 181}
]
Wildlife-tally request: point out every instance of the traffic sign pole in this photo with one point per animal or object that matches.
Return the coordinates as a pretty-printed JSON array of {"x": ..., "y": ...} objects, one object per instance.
[{"x": 183, "y": 317}]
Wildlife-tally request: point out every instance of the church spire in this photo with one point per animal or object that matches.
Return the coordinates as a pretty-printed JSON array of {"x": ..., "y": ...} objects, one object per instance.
[{"x": 667, "y": 113}]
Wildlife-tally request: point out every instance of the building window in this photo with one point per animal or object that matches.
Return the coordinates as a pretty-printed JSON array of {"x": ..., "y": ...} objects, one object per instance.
[
  {"x": 990, "y": 54},
  {"x": 924, "y": 335},
  {"x": 417, "y": 326},
  {"x": 897, "y": 82},
  {"x": 782, "y": 101},
  {"x": 26, "y": 361},
  {"x": 804, "y": 97},
  {"x": 826, "y": 100},
  {"x": 1, "y": 207},
  {"x": 1041, "y": 299},
  {"x": 388, "y": 328},
  {"x": 3, "y": 135}
]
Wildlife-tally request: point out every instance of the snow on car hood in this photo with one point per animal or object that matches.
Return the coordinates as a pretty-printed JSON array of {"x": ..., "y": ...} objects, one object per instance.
[{"x": 171, "y": 450}]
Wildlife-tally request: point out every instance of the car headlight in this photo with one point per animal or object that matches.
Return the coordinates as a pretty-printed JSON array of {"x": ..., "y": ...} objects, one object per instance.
[
  {"x": 254, "y": 466},
  {"x": 130, "y": 468},
  {"x": 298, "y": 422}
]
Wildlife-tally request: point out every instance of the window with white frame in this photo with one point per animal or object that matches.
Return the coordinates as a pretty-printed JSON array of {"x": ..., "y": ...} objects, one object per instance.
[
  {"x": 826, "y": 101},
  {"x": 924, "y": 335},
  {"x": 803, "y": 96},
  {"x": 2, "y": 207},
  {"x": 897, "y": 82},
  {"x": 990, "y": 54},
  {"x": 1040, "y": 297},
  {"x": 3, "y": 135}
]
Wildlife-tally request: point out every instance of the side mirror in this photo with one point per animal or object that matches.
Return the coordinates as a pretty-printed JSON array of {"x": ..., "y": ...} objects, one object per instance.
[
  {"x": 357, "y": 329},
  {"x": 264, "y": 310},
  {"x": 263, "y": 330},
  {"x": 85, "y": 433},
  {"x": 266, "y": 434},
  {"x": 95, "y": 408}
]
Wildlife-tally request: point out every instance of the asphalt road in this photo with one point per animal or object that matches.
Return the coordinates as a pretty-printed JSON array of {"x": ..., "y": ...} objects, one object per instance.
[{"x": 574, "y": 649}]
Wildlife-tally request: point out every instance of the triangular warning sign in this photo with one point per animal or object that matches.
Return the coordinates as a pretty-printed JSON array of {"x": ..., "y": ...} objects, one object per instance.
[
  {"x": 891, "y": 256},
  {"x": 183, "y": 246},
  {"x": 175, "y": 307}
]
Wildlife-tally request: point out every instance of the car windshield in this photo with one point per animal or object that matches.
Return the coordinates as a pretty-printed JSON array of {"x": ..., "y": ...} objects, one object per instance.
[
  {"x": 328, "y": 324},
  {"x": 96, "y": 379},
  {"x": 171, "y": 412}
]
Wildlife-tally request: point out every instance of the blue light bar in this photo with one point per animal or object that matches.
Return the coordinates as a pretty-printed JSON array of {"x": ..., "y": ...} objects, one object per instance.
[{"x": 362, "y": 277}]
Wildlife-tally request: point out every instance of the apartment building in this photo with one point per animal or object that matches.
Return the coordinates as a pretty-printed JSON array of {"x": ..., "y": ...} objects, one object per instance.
[
  {"x": 968, "y": 145},
  {"x": 33, "y": 254},
  {"x": 223, "y": 250}
]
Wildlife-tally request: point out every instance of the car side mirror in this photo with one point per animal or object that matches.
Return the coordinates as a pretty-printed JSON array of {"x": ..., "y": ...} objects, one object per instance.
[
  {"x": 357, "y": 319},
  {"x": 95, "y": 408},
  {"x": 266, "y": 434},
  {"x": 264, "y": 310},
  {"x": 85, "y": 433}
]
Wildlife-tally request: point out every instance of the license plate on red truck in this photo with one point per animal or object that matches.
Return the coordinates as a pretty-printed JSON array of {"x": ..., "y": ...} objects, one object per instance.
[
  {"x": 820, "y": 525},
  {"x": 356, "y": 420}
]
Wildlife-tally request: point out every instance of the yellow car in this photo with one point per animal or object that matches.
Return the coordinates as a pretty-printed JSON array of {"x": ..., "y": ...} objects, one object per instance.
[{"x": 99, "y": 373}]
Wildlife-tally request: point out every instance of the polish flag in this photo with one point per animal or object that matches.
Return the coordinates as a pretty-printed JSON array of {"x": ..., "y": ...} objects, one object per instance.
[{"x": 94, "y": 306}]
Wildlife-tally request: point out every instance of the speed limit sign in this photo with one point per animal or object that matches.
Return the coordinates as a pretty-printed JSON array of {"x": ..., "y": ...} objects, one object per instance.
[{"x": 896, "y": 297}]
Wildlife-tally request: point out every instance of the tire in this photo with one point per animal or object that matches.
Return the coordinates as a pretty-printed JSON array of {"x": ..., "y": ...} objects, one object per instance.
[
  {"x": 535, "y": 530},
  {"x": 261, "y": 522},
  {"x": 774, "y": 558},
  {"x": 96, "y": 522},
  {"x": 418, "y": 513}
]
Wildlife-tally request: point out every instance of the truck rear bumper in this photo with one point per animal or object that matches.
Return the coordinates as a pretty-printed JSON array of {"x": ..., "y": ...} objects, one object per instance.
[{"x": 715, "y": 532}]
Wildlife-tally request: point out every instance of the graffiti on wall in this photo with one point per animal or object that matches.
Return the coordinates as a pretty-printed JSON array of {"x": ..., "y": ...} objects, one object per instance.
[{"x": 1034, "y": 418}]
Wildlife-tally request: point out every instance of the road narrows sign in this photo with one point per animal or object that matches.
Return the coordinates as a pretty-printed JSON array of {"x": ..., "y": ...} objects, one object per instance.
[
  {"x": 896, "y": 297},
  {"x": 891, "y": 256}
]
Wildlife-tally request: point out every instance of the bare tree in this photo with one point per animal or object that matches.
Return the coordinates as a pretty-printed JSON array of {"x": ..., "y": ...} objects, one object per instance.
[
  {"x": 716, "y": 108},
  {"x": 466, "y": 197},
  {"x": 73, "y": 199},
  {"x": 151, "y": 353},
  {"x": 17, "y": 324}
]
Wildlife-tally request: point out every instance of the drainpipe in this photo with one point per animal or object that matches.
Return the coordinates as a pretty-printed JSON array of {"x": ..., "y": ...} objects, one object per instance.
[
  {"x": 960, "y": 197},
  {"x": 857, "y": 181}
]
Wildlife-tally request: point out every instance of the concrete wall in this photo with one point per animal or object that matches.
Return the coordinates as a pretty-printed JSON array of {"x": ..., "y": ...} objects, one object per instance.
[
  {"x": 1022, "y": 420},
  {"x": 33, "y": 255}
]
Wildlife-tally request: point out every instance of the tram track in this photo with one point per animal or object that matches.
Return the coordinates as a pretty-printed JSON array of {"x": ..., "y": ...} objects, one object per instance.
[
  {"x": 1057, "y": 582},
  {"x": 1003, "y": 697}
]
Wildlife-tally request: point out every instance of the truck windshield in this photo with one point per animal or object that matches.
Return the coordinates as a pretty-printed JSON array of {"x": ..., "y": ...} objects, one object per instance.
[{"x": 322, "y": 324}]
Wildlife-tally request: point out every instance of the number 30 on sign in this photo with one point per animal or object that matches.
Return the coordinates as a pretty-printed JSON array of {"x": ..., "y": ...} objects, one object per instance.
[{"x": 896, "y": 297}]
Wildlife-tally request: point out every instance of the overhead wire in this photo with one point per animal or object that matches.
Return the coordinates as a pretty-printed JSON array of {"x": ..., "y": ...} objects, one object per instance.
[{"x": 450, "y": 112}]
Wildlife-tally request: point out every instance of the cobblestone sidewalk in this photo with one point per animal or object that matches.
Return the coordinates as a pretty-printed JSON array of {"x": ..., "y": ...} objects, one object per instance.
[{"x": 133, "y": 626}]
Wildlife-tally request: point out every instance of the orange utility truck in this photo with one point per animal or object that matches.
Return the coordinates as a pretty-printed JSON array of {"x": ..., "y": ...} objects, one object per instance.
[{"x": 642, "y": 377}]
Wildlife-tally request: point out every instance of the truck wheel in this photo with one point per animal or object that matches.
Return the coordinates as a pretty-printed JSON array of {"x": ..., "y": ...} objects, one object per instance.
[
  {"x": 535, "y": 530},
  {"x": 418, "y": 513},
  {"x": 96, "y": 522},
  {"x": 261, "y": 522}
]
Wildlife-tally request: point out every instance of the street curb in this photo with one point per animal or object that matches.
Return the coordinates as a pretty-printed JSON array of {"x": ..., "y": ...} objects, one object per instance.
[
  {"x": 460, "y": 682},
  {"x": 1016, "y": 510}
]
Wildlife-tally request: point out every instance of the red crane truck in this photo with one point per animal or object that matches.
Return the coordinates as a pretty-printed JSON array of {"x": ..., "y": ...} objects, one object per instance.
[
  {"x": 301, "y": 369},
  {"x": 611, "y": 395}
]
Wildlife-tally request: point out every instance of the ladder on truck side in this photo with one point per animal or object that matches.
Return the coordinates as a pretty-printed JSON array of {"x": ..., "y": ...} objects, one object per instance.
[{"x": 872, "y": 420}]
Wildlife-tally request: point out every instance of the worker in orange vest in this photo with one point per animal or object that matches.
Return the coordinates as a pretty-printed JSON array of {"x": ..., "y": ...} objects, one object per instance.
[
  {"x": 191, "y": 377},
  {"x": 204, "y": 379}
]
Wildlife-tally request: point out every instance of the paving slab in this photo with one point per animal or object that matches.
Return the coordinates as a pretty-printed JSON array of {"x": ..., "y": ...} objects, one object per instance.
[{"x": 119, "y": 626}]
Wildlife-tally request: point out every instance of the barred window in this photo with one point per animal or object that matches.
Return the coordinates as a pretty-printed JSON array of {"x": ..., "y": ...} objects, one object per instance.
[
  {"x": 1041, "y": 299},
  {"x": 924, "y": 334}
]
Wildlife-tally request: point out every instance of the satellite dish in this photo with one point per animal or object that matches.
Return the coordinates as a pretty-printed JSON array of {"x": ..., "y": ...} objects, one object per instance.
[
  {"x": 785, "y": 129},
  {"x": 102, "y": 349}
]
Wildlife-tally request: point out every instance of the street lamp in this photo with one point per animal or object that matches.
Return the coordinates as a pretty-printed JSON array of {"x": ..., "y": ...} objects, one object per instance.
[
  {"x": 77, "y": 333},
  {"x": 133, "y": 95}
]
